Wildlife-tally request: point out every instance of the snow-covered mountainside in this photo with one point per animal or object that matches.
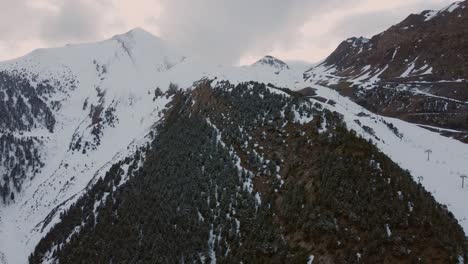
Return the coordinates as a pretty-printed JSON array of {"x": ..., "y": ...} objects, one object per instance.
[
  {"x": 102, "y": 100},
  {"x": 415, "y": 70},
  {"x": 69, "y": 113},
  {"x": 72, "y": 116}
]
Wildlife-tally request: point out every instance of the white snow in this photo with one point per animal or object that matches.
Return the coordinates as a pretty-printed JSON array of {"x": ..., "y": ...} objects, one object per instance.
[
  {"x": 302, "y": 119},
  {"x": 258, "y": 200},
  {"x": 428, "y": 71},
  {"x": 389, "y": 232},
  {"x": 323, "y": 74},
  {"x": 431, "y": 14},
  {"x": 211, "y": 246},
  {"x": 395, "y": 53},
  {"x": 450, "y": 8},
  {"x": 409, "y": 70},
  {"x": 374, "y": 79}
]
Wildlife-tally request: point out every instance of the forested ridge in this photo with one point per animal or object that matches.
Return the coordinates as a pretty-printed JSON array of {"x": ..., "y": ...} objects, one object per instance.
[{"x": 258, "y": 174}]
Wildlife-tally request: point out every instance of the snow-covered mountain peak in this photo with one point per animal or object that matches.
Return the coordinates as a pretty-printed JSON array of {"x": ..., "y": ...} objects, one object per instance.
[
  {"x": 137, "y": 34},
  {"x": 452, "y": 7},
  {"x": 430, "y": 14},
  {"x": 272, "y": 62},
  {"x": 146, "y": 48},
  {"x": 136, "y": 49},
  {"x": 136, "y": 38}
]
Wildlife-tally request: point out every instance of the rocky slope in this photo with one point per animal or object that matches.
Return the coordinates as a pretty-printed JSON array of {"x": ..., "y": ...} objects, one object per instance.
[{"x": 415, "y": 70}]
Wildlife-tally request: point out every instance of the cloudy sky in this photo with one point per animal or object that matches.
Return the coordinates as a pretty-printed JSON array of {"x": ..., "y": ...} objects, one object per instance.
[{"x": 225, "y": 31}]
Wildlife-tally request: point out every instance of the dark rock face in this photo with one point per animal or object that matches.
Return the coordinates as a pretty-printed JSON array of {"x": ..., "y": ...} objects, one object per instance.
[
  {"x": 441, "y": 43},
  {"x": 231, "y": 176},
  {"x": 421, "y": 62},
  {"x": 345, "y": 53}
]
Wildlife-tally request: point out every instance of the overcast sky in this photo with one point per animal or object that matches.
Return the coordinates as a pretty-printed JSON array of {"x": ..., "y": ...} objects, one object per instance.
[{"x": 234, "y": 31}]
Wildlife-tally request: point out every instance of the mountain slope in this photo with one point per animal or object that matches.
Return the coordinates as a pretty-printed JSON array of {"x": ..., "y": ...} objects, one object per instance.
[
  {"x": 86, "y": 105},
  {"x": 71, "y": 112},
  {"x": 415, "y": 70},
  {"x": 429, "y": 46},
  {"x": 221, "y": 183}
]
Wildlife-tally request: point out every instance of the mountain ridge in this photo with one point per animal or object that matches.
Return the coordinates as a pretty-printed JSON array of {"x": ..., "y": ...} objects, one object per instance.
[
  {"x": 109, "y": 99},
  {"x": 247, "y": 214},
  {"x": 103, "y": 99}
]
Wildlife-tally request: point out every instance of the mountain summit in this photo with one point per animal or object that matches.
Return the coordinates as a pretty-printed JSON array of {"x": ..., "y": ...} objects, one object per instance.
[
  {"x": 137, "y": 33},
  {"x": 273, "y": 62}
]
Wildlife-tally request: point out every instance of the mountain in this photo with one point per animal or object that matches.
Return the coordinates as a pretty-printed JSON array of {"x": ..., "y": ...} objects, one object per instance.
[
  {"x": 126, "y": 150},
  {"x": 69, "y": 113},
  {"x": 270, "y": 61},
  {"x": 415, "y": 70},
  {"x": 64, "y": 105},
  {"x": 430, "y": 46},
  {"x": 226, "y": 180}
]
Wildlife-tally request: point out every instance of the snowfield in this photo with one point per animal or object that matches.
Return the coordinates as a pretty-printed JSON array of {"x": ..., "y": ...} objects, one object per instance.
[{"x": 122, "y": 74}]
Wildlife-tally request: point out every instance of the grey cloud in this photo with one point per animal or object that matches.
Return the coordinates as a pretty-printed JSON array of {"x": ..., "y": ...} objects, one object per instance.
[
  {"x": 218, "y": 30},
  {"x": 18, "y": 20},
  {"x": 368, "y": 24},
  {"x": 77, "y": 20},
  {"x": 223, "y": 31},
  {"x": 51, "y": 22},
  {"x": 372, "y": 23},
  {"x": 19, "y": 24}
]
